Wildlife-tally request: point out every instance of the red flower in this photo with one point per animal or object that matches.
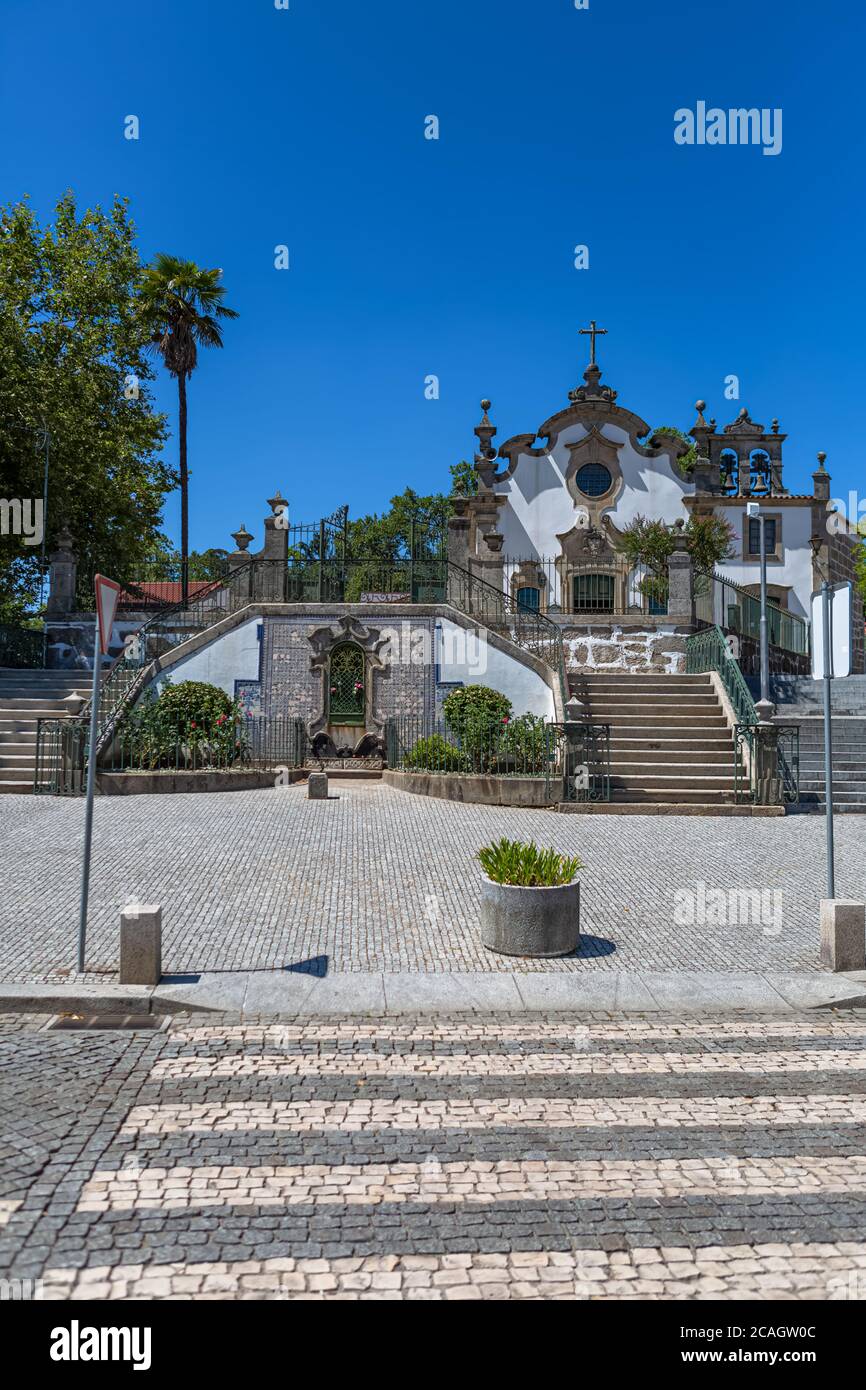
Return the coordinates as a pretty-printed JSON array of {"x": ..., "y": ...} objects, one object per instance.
[
  {"x": 505, "y": 720},
  {"x": 192, "y": 725}
]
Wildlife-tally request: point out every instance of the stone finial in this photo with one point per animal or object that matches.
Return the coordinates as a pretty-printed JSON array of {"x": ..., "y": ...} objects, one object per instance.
[
  {"x": 65, "y": 542},
  {"x": 821, "y": 480},
  {"x": 485, "y": 432},
  {"x": 242, "y": 538},
  {"x": 774, "y": 426},
  {"x": 574, "y": 710},
  {"x": 700, "y": 423},
  {"x": 277, "y": 502}
]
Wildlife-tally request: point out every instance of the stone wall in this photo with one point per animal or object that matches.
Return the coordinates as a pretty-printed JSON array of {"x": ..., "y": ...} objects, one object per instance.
[
  {"x": 841, "y": 552},
  {"x": 618, "y": 647}
]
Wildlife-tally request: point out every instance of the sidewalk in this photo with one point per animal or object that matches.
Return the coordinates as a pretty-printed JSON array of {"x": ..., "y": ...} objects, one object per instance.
[{"x": 381, "y": 993}]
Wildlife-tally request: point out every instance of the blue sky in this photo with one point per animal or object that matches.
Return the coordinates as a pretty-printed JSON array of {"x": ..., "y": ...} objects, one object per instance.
[{"x": 411, "y": 257}]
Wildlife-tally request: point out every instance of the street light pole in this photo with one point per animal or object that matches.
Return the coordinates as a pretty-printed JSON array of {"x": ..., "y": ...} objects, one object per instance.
[
  {"x": 765, "y": 636},
  {"x": 828, "y": 737}
]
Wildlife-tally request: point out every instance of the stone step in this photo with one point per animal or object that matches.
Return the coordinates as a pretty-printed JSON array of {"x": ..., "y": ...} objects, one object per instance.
[
  {"x": 632, "y": 720},
  {"x": 624, "y": 760},
  {"x": 678, "y": 780},
  {"x": 673, "y": 796},
  {"x": 16, "y": 788},
  {"x": 652, "y": 700},
  {"x": 15, "y": 705},
  {"x": 670, "y": 740}
]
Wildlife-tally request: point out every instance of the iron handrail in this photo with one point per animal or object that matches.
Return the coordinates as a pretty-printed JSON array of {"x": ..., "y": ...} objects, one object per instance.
[{"x": 707, "y": 651}]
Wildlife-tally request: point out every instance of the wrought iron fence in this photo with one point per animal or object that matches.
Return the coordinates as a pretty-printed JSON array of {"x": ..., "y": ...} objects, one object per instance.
[
  {"x": 787, "y": 767},
  {"x": 605, "y": 584},
  {"x": 255, "y": 742},
  {"x": 719, "y": 602},
  {"x": 584, "y": 761},
  {"x": 500, "y": 611},
  {"x": 21, "y": 647},
  {"x": 61, "y": 757},
  {"x": 573, "y": 759}
]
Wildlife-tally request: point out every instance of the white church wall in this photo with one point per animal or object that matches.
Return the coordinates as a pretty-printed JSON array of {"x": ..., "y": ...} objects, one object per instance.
[
  {"x": 795, "y": 572},
  {"x": 540, "y": 506},
  {"x": 233, "y": 656},
  {"x": 480, "y": 663}
]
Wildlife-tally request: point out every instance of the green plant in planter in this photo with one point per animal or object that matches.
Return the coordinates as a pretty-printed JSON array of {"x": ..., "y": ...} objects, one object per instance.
[
  {"x": 527, "y": 866},
  {"x": 434, "y": 754}
]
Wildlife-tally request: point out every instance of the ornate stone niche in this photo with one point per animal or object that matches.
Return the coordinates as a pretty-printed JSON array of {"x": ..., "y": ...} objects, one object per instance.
[
  {"x": 323, "y": 641},
  {"x": 528, "y": 575}
]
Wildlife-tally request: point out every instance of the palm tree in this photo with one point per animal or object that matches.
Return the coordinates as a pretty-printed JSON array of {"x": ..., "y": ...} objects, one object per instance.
[{"x": 182, "y": 305}]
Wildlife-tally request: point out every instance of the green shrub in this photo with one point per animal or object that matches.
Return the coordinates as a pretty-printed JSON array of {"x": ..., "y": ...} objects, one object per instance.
[
  {"x": 527, "y": 866},
  {"x": 434, "y": 754},
  {"x": 475, "y": 707},
  {"x": 526, "y": 744},
  {"x": 195, "y": 705},
  {"x": 190, "y": 723}
]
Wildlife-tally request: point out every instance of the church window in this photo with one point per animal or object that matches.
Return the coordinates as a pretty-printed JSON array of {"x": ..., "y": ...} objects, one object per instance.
[
  {"x": 529, "y": 598},
  {"x": 593, "y": 479},
  {"x": 755, "y": 537},
  {"x": 346, "y": 685},
  {"x": 593, "y": 593}
]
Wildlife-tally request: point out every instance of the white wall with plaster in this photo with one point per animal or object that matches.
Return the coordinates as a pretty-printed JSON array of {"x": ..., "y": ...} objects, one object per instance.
[
  {"x": 468, "y": 657},
  {"x": 232, "y": 656}
]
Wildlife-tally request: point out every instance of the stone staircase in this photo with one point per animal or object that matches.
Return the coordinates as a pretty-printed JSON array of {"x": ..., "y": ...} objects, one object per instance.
[
  {"x": 849, "y": 765},
  {"x": 669, "y": 740},
  {"x": 26, "y": 696}
]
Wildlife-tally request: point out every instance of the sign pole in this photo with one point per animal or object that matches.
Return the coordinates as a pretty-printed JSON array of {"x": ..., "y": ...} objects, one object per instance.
[
  {"x": 107, "y": 595},
  {"x": 91, "y": 783},
  {"x": 765, "y": 640},
  {"x": 828, "y": 738}
]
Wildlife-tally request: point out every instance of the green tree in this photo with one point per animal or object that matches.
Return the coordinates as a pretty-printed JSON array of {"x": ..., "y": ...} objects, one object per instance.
[
  {"x": 464, "y": 479},
  {"x": 685, "y": 462},
  {"x": 181, "y": 308},
  {"x": 651, "y": 542},
  {"x": 72, "y": 361}
]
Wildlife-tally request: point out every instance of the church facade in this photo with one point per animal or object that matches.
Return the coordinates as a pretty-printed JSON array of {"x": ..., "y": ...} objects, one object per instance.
[{"x": 547, "y": 523}]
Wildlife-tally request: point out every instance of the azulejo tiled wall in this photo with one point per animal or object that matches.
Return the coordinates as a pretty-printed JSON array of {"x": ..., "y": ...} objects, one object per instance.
[{"x": 406, "y": 687}]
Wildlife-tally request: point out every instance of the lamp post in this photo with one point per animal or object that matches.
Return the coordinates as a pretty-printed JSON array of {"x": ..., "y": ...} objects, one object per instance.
[
  {"x": 816, "y": 542},
  {"x": 753, "y": 511}
]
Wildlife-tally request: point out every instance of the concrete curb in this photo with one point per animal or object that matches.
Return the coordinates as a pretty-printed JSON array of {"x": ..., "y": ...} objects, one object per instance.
[{"x": 382, "y": 993}]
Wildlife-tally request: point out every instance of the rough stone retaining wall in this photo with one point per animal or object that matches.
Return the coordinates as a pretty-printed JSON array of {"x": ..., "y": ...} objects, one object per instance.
[
  {"x": 487, "y": 791},
  {"x": 623, "y": 647}
]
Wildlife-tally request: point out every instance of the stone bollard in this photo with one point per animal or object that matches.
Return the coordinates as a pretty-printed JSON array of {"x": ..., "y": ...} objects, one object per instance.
[
  {"x": 317, "y": 786},
  {"x": 843, "y": 934},
  {"x": 140, "y": 945}
]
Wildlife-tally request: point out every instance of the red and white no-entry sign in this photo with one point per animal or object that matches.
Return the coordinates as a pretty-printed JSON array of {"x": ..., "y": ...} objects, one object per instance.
[{"x": 107, "y": 594}]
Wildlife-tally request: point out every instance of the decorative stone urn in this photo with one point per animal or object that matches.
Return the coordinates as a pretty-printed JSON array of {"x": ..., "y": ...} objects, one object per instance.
[{"x": 530, "y": 921}]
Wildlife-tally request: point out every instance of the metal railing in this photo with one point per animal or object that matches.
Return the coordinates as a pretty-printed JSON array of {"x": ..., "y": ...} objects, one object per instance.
[
  {"x": 573, "y": 759},
  {"x": 707, "y": 651},
  {"x": 719, "y": 602},
  {"x": 787, "y": 765},
  {"x": 61, "y": 756},
  {"x": 255, "y": 742},
  {"x": 609, "y": 584},
  {"x": 21, "y": 647}
]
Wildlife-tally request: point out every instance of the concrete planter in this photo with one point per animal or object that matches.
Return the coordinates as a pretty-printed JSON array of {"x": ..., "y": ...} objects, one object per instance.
[{"x": 530, "y": 921}]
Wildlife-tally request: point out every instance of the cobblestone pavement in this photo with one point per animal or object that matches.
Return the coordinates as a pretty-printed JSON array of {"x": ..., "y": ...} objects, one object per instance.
[
  {"x": 581, "y": 1156},
  {"x": 377, "y": 879}
]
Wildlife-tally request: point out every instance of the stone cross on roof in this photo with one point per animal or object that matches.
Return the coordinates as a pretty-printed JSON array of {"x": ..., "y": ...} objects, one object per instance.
[{"x": 593, "y": 334}]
